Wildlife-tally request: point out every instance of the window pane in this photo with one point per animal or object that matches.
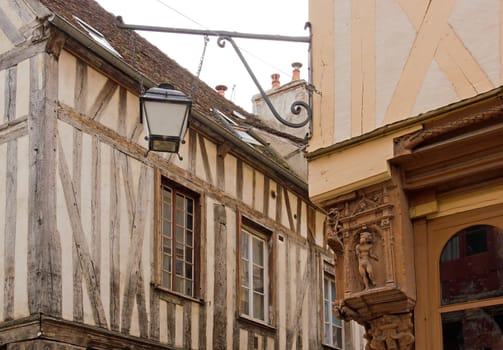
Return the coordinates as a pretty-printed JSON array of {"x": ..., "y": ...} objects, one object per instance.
[
  {"x": 451, "y": 250},
  {"x": 245, "y": 304},
  {"x": 476, "y": 273},
  {"x": 473, "y": 328},
  {"x": 190, "y": 206},
  {"x": 166, "y": 211},
  {"x": 258, "y": 279},
  {"x": 189, "y": 288},
  {"x": 179, "y": 234},
  {"x": 180, "y": 218},
  {"x": 476, "y": 242},
  {"x": 258, "y": 306},
  {"x": 244, "y": 245},
  {"x": 179, "y": 267},
  {"x": 189, "y": 222},
  {"x": 188, "y": 254},
  {"x": 166, "y": 228},
  {"x": 188, "y": 271},
  {"x": 328, "y": 336},
  {"x": 166, "y": 245},
  {"x": 166, "y": 263},
  {"x": 166, "y": 279},
  {"x": 245, "y": 279},
  {"x": 188, "y": 238},
  {"x": 179, "y": 284},
  {"x": 337, "y": 336},
  {"x": 258, "y": 251},
  {"x": 327, "y": 311},
  {"x": 180, "y": 200},
  {"x": 179, "y": 251}
]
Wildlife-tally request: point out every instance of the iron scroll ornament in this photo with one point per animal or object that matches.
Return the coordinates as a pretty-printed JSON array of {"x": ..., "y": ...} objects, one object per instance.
[{"x": 296, "y": 107}]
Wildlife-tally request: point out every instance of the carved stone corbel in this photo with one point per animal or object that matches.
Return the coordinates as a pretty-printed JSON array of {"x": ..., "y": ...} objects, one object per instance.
[
  {"x": 334, "y": 235},
  {"x": 391, "y": 332},
  {"x": 362, "y": 232}
]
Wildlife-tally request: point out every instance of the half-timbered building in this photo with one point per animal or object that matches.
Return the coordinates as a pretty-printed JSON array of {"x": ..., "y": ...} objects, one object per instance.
[{"x": 104, "y": 245}]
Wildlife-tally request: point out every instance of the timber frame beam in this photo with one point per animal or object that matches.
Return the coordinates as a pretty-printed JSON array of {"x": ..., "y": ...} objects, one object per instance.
[{"x": 70, "y": 335}]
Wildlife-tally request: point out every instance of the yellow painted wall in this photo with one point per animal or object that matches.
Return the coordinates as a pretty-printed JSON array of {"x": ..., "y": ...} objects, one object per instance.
[{"x": 377, "y": 62}]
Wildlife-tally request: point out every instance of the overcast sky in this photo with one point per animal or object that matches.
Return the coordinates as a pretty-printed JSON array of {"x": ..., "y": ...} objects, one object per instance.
[{"x": 222, "y": 65}]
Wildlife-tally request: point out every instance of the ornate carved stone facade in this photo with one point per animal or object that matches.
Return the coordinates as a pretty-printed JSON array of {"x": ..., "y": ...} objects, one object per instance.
[{"x": 372, "y": 247}]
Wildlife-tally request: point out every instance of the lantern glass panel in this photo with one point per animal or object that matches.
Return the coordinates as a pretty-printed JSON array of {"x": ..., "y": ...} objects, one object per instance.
[{"x": 165, "y": 119}]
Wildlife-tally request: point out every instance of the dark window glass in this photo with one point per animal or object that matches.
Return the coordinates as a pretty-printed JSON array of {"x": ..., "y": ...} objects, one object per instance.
[
  {"x": 478, "y": 328},
  {"x": 471, "y": 265}
]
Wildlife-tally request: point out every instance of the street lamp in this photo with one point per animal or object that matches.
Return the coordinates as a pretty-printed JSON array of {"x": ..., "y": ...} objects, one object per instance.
[{"x": 164, "y": 113}]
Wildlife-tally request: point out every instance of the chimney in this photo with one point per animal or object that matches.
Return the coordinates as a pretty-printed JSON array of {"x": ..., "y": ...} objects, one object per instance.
[
  {"x": 275, "y": 80},
  {"x": 221, "y": 89},
  {"x": 296, "y": 70}
]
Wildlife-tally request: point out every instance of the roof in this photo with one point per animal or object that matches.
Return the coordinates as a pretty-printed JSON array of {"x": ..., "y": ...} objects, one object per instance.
[{"x": 156, "y": 66}]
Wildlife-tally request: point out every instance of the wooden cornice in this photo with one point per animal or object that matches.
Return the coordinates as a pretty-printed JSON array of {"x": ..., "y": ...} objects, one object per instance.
[
  {"x": 409, "y": 142},
  {"x": 452, "y": 154}
]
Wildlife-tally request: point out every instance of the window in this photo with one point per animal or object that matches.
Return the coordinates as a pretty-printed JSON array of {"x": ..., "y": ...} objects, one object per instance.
[
  {"x": 471, "y": 268},
  {"x": 332, "y": 330},
  {"x": 254, "y": 298},
  {"x": 97, "y": 36},
  {"x": 471, "y": 265},
  {"x": 241, "y": 132},
  {"x": 179, "y": 240}
]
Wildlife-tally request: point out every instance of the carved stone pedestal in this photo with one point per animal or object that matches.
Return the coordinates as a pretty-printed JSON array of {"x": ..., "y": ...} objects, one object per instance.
[
  {"x": 370, "y": 233},
  {"x": 391, "y": 332}
]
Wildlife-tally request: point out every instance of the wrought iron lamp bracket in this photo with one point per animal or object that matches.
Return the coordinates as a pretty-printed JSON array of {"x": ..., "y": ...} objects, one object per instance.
[{"x": 223, "y": 36}]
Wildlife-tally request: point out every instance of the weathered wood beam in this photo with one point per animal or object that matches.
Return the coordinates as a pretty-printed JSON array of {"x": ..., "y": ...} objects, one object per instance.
[
  {"x": 13, "y": 129},
  {"x": 114, "y": 232},
  {"x": 220, "y": 286},
  {"x": 133, "y": 272},
  {"x": 10, "y": 230},
  {"x": 92, "y": 337},
  {"x": 44, "y": 247},
  {"x": 85, "y": 259},
  {"x": 183, "y": 177}
]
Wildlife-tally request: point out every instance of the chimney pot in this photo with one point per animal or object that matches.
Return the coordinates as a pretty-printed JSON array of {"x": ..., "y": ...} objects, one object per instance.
[
  {"x": 275, "y": 80},
  {"x": 221, "y": 89},
  {"x": 296, "y": 70}
]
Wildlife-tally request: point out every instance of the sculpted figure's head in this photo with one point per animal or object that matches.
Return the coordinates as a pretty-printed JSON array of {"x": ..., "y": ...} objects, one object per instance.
[{"x": 365, "y": 237}]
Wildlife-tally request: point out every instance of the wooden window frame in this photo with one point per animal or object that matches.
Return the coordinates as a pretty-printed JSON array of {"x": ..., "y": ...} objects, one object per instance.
[
  {"x": 161, "y": 183},
  {"x": 264, "y": 234},
  {"x": 329, "y": 274},
  {"x": 431, "y": 238}
]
